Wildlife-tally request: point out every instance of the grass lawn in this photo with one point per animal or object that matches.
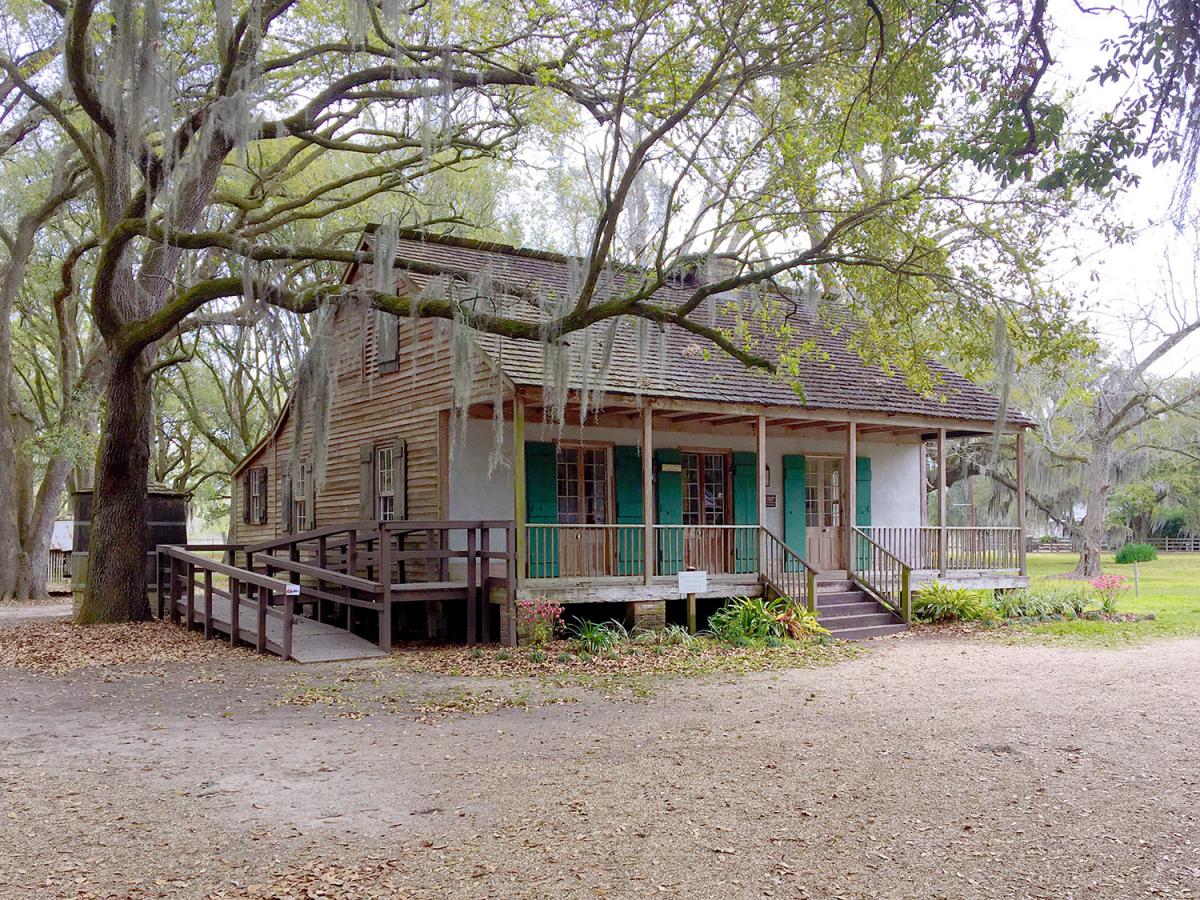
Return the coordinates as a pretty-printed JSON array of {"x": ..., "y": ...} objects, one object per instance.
[{"x": 1170, "y": 589}]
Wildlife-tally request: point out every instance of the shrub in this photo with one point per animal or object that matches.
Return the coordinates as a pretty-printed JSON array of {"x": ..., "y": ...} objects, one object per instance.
[
  {"x": 540, "y": 619},
  {"x": 938, "y": 602},
  {"x": 670, "y": 636},
  {"x": 753, "y": 620},
  {"x": 1135, "y": 553},
  {"x": 1039, "y": 601},
  {"x": 595, "y": 638},
  {"x": 1109, "y": 587},
  {"x": 745, "y": 620}
]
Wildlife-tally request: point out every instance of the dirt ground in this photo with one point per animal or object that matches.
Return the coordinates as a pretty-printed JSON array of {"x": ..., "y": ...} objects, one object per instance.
[{"x": 926, "y": 767}]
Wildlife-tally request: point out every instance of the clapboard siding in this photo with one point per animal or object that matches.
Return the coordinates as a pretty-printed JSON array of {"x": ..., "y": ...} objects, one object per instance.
[{"x": 370, "y": 408}]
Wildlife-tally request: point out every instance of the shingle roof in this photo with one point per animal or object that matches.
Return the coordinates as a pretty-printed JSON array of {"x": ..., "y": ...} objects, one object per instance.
[{"x": 833, "y": 378}]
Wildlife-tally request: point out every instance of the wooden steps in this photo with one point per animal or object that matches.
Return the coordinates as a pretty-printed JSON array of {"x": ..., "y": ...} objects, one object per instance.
[{"x": 850, "y": 613}]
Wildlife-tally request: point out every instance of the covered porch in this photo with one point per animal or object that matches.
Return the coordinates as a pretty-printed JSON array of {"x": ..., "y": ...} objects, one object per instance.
[{"x": 755, "y": 495}]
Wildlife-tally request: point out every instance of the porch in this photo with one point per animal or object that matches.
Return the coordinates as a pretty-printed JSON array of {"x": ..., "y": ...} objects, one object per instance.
[{"x": 760, "y": 497}]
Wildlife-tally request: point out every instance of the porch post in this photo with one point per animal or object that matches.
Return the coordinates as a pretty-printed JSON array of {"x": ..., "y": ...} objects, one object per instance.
[
  {"x": 1021, "y": 502},
  {"x": 760, "y": 434},
  {"x": 649, "y": 551},
  {"x": 519, "y": 511},
  {"x": 941, "y": 487},
  {"x": 850, "y": 478}
]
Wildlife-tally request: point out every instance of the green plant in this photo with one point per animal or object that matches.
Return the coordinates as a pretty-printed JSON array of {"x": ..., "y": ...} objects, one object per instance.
[
  {"x": 596, "y": 638},
  {"x": 1040, "y": 601},
  {"x": 504, "y": 655},
  {"x": 537, "y": 656},
  {"x": 744, "y": 620},
  {"x": 564, "y": 657},
  {"x": 1109, "y": 587},
  {"x": 938, "y": 602},
  {"x": 669, "y": 636},
  {"x": 797, "y": 621},
  {"x": 1135, "y": 553}
]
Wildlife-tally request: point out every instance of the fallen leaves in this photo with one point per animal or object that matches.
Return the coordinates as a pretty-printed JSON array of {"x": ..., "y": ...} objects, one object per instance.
[{"x": 54, "y": 648}]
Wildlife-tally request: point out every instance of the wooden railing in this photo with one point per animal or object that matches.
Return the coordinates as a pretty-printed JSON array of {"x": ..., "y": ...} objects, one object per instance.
[
  {"x": 608, "y": 551},
  {"x": 716, "y": 549},
  {"x": 984, "y": 547},
  {"x": 177, "y": 581},
  {"x": 364, "y": 565},
  {"x": 585, "y": 551},
  {"x": 786, "y": 572},
  {"x": 883, "y": 573}
]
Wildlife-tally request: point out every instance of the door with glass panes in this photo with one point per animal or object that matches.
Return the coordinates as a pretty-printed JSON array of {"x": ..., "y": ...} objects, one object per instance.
[
  {"x": 706, "y": 501},
  {"x": 823, "y": 512},
  {"x": 583, "y": 475}
]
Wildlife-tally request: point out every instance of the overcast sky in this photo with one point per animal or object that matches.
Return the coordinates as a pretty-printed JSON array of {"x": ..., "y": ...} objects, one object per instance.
[{"x": 1114, "y": 282}]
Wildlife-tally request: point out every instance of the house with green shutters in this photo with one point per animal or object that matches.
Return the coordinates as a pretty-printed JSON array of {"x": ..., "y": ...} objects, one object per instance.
[{"x": 633, "y": 454}]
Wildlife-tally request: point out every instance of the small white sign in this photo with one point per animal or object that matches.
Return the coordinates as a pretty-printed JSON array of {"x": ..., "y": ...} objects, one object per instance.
[
  {"x": 693, "y": 582},
  {"x": 292, "y": 590}
]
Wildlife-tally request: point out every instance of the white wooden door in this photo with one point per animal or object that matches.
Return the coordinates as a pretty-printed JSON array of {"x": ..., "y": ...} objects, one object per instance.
[{"x": 823, "y": 512}]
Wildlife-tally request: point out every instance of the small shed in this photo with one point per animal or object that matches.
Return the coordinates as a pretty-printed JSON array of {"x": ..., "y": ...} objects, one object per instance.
[{"x": 58, "y": 562}]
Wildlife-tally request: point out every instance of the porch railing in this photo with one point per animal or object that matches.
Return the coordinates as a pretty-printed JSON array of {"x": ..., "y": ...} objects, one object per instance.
[
  {"x": 883, "y": 573},
  {"x": 606, "y": 551},
  {"x": 787, "y": 573},
  {"x": 977, "y": 548}
]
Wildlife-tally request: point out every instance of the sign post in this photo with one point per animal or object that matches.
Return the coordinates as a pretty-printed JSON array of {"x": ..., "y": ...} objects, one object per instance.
[{"x": 691, "y": 583}]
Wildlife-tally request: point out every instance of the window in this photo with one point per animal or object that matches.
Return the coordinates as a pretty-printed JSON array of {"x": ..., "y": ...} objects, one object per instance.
[
  {"x": 301, "y": 498},
  {"x": 705, "y": 488},
  {"x": 823, "y": 489},
  {"x": 385, "y": 484},
  {"x": 582, "y": 474},
  {"x": 254, "y": 495}
]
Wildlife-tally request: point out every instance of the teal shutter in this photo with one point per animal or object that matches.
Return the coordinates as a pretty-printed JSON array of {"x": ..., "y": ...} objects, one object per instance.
[
  {"x": 862, "y": 501},
  {"x": 795, "y": 526},
  {"x": 669, "y": 510},
  {"x": 745, "y": 511},
  {"x": 541, "y": 507},
  {"x": 627, "y": 491}
]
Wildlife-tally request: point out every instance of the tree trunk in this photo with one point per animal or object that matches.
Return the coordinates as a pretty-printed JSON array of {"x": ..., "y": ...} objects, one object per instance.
[
  {"x": 1098, "y": 484},
  {"x": 116, "y": 551}
]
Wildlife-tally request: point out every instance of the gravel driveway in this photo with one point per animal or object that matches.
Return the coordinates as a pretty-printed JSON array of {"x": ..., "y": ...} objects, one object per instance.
[{"x": 928, "y": 767}]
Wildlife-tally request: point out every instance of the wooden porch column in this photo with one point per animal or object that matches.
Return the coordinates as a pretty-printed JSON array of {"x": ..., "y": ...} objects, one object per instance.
[
  {"x": 519, "y": 511},
  {"x": 1021, "y": 502},
  {"x": 941, "y": 497},
  {"x": 850, "y": 492},
  {"x": 760, "y": 435},
  {"x": 649, "y": 550}
]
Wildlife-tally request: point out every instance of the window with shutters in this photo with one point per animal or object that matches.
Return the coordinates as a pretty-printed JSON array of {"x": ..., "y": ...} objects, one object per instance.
[
  {"x": 385, "y": 484},
  {"x": 257, "y": 483},
  {"x": 301, "y": 513},
  {"x": 583, "y": 484}
]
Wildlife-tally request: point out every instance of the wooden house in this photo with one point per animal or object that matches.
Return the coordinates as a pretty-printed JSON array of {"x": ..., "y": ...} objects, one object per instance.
[{"x": 684, "y": 458}]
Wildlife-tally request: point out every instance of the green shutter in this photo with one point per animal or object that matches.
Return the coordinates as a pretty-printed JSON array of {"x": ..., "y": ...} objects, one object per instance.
[
  {"x": 627, "y": 491},
  {"x": 541, "y": 507},
  {"x": 795, "y": 527},
  {"x": 862, "y": 502},
  {"x": 670, "y": 509},
  {"x": 745, "y": 511},
  {"x": 862, "y": 508}
]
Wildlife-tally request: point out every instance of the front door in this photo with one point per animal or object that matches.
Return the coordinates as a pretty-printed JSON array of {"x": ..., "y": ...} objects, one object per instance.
[
  {"x": 583, "y": 479},
  {"x": 823, "y": 512},
  {"x": 706, "y": 502}
]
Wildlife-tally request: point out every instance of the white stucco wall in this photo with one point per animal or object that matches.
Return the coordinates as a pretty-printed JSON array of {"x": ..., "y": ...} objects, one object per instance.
[{"x": 896, "y": 494}]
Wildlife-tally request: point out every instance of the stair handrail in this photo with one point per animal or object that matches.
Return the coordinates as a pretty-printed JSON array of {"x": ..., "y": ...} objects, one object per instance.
[
  {"x": 881, "y": 572},
  {"x": 786, "y": 570}
]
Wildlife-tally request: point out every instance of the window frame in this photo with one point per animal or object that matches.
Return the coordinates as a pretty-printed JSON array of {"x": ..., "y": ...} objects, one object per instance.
[
  {"x": 726, "y": 491},
  {"x": 380, "y": 471},
  {"x": 580, "y": 479}
]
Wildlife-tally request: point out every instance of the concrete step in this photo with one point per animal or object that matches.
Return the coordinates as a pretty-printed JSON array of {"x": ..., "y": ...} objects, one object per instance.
[
  {"x": 838, "y": 624},
  {"x": 853, "y": 608},
  {"x": 870, "y": 631}
]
